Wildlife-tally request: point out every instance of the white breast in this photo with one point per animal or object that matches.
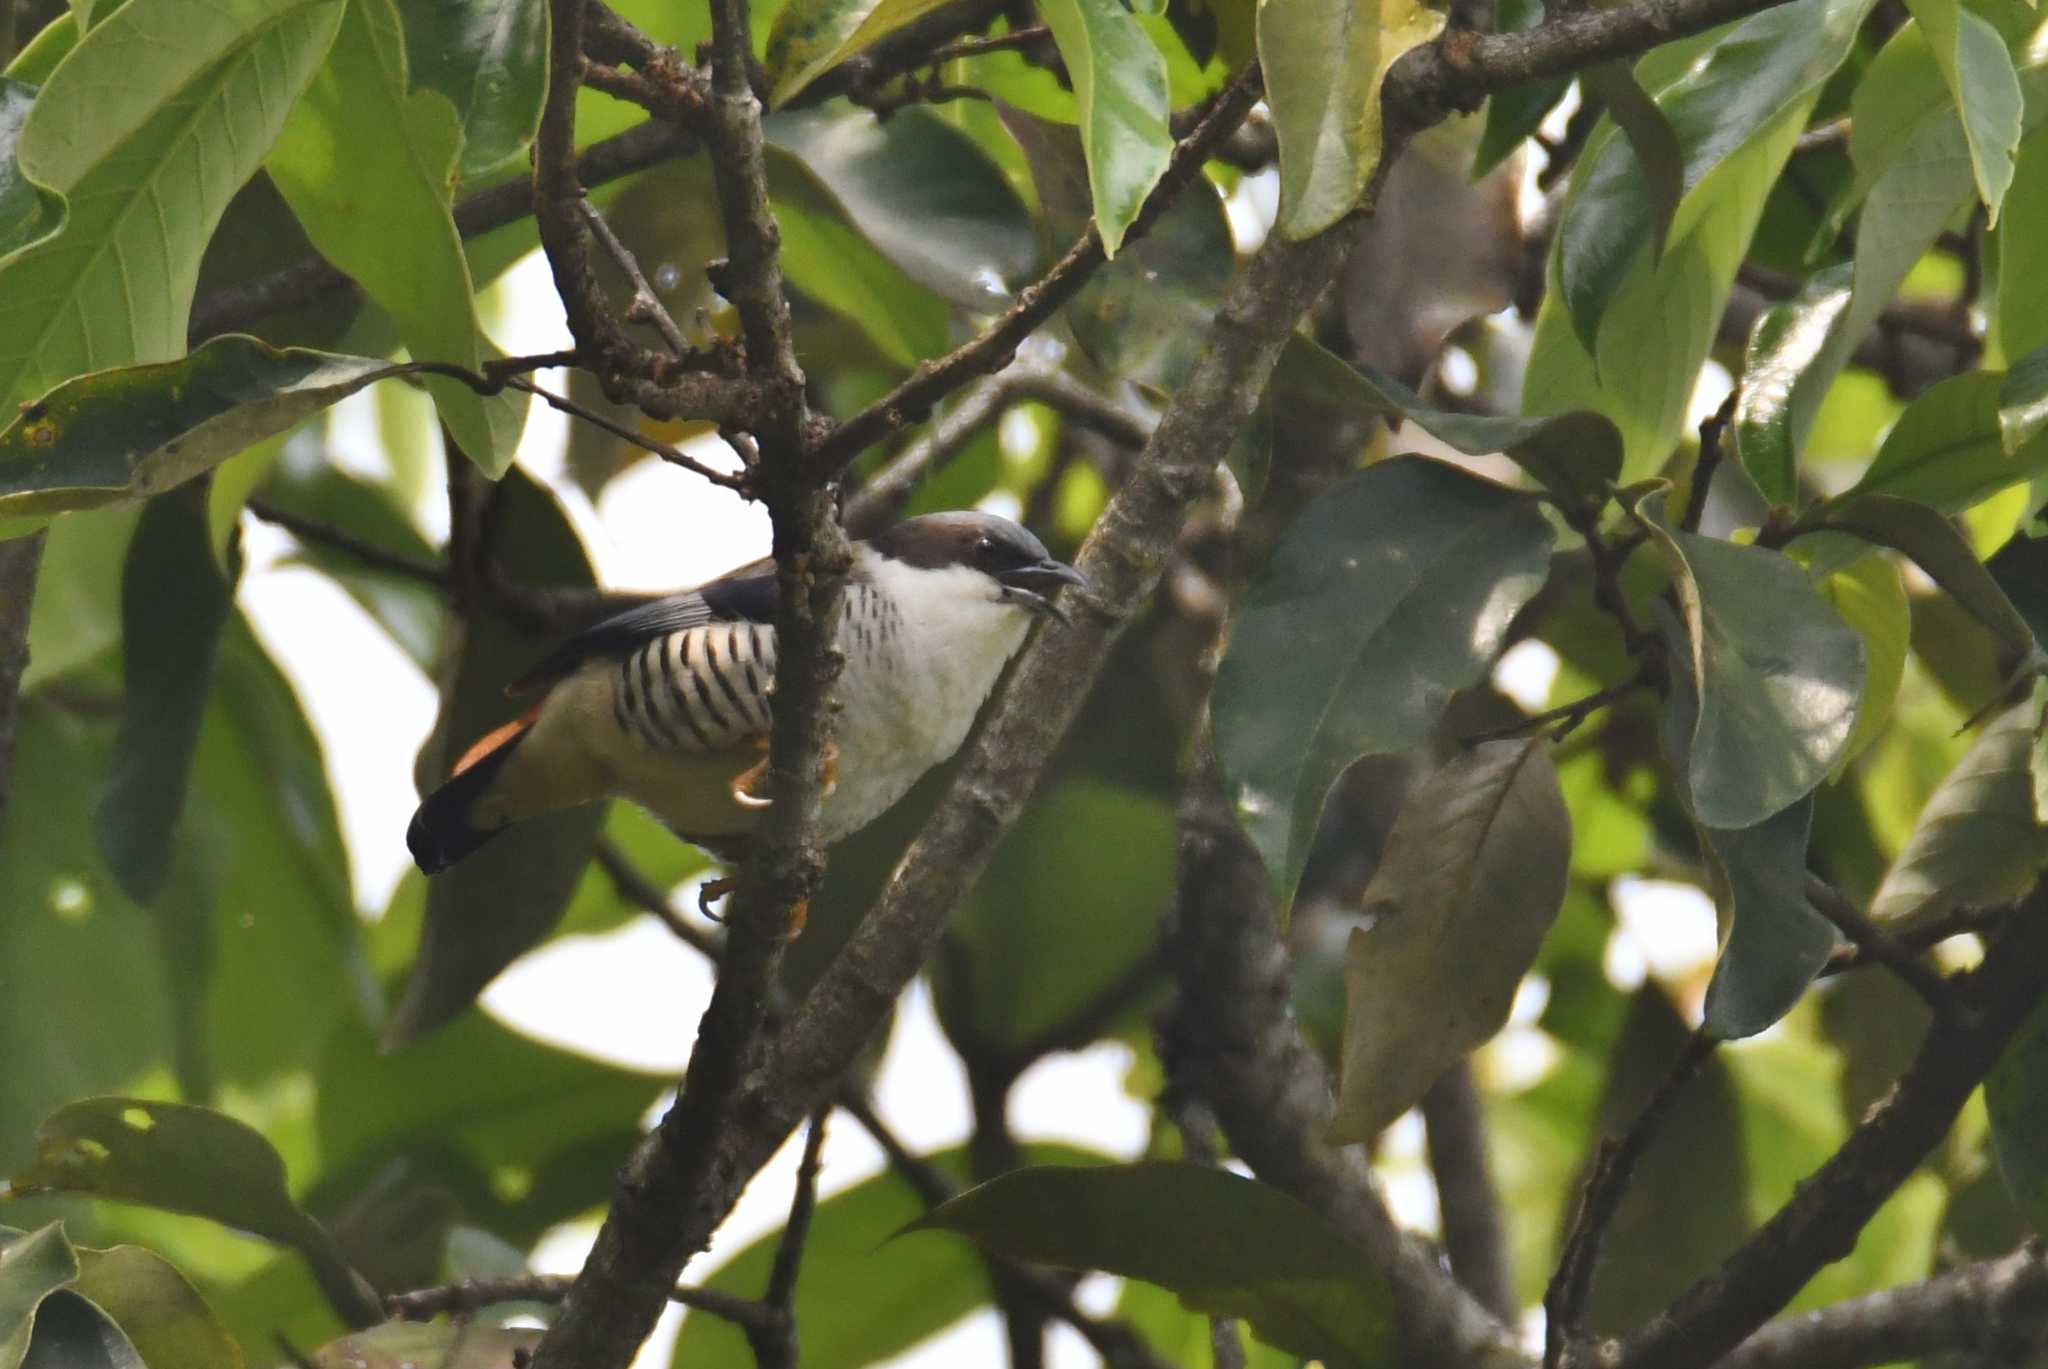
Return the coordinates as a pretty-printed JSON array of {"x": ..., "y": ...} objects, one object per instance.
[{"x": 923, "y": 650}]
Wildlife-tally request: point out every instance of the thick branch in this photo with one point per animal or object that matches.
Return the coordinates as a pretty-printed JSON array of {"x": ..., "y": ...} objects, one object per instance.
[{"x": 1821, "y": 1221}]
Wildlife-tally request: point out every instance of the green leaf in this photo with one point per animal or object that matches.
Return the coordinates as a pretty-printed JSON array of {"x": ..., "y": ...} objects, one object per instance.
[
  {"x": 1776, "y": 674},
  {"x": 1976, "y": 841},
  {"x": 1782, "y": 387},
  {"x": 1871, "y": 599},
  {"x": 366, "y": 161},
  {"x": 1763, "y": 72},
  {"x": 1985, "y": 87},
  {"x": 156, "y": 1308},
  {"x": 1513, "y": 116},
  {"x": 1229, "y": 1246},
  {"x": 923, "y": 192},
  {"x": 1772, "y": 941},
  {"x": 2023, "y": 400},
  {"x": 1120, "y": 85},
  {"x": 137, "y": 431},
  {"x": 1390, "y": 592},
  {"x": 1470, "y": 880},
  {"x": 810, "y": 37},
  {"x": 1948, "y": 448},
  {"x": 490, "y": 58},
  {"x": 1660, "y": 162},
  {"x": 147, "y": 129},
  {"x": 832, "y": 263},
  {"x": 2020, "y": 319},
  {"x": 187, "y": 1159},
  {"x": 863, "y": 1299},
  {"x": 77, "y": 611},
  {"x": 25, "y": 214},
  {"x": 173, "y": 604},
  {"x": 2016, "y": 1099},
  {"x": 2037, "y": 754},
  {"x": 1324, "y": 62},
  {"x": 1576, "y": 456},
  {"x": 32, "y": 1267},
  {"x": 438, "y": 1345},
  {"x": 488, "y": 910},
  {"x": 1937, "y": 547}
]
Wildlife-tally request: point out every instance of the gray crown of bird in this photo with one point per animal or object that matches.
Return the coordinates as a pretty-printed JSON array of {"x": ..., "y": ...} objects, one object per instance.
[{"x": 667, "y": 704}]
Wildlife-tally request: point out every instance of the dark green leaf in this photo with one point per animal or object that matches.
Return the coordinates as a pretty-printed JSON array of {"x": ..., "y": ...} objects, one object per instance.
[
  {"x": 490, "y": 58},
  {"x": 1228, "y": 1246},
  {"x": 1938, "y": 548},
  {"x": 829, "y": 260},
  {"x": 2016, "y": 1097},
  {"x": 1391, "y": 592},
  {"x": 173, "y": 605},
  {"x": 1776, "y": 673},
  {"x": 1755, "y": 77},
  {"x": 73, "y": 1334},
  {"x": 186, "y": 1159},
  {"x": 1772, "y": 941},
  {"x": 156, "y": 1308},
  {"x": 1660, "y": 162},
  {"x": 923, "y": 193},
  {"x": 488, "y": 910},
  {"x": 119, "y": 138},
  {"x": 1513, "y": 116},
  {"x": 1576, "y": 456},
  {"x": 1470, "y": 880},
  {"x": 1981, "y": 79},
  {"x": 1324, "y": 62},
  {"x": 1948, "y": 448},
  {"x": 1779, "y": 397},
  {"x": 810, "y": 37},
  {"x": 77, "y": 612},
  {"x": 366, "y": 161},
  {"x": 1976, "y": 841},
  {"x": 24, "y": 213},
  {"x": 439, "y": 1345},
  {"x": 1120, "y": 85},
  {"x": 32, "y": 1267},
  {"x": 143, "y": 429},
  {"x": 2023, "y": 400}
]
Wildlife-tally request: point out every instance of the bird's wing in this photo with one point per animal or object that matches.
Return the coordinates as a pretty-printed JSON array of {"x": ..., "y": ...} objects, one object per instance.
[{"x": 747, "y": 595}]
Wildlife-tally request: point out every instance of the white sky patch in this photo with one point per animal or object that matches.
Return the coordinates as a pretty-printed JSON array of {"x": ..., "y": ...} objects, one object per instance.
[
  {"x": 1671, "y": 924},
  {"x": 1526, "y": 673}
]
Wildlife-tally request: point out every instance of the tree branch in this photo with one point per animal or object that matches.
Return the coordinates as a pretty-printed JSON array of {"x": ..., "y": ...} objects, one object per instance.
[
  {"x": 1474, "y": 1237},
  {"x": 774, "y": 1341}
]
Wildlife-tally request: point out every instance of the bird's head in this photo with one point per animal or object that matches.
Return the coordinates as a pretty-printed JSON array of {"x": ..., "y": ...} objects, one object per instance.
[{"x": 1014, "y": 565}]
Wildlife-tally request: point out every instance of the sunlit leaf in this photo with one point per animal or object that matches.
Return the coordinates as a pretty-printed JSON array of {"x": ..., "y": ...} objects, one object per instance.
[
  {"x": 1120, "y": 85},
  {"x": 1392, "y": 591},
  {"x": 123, "y": 141},
  {"x": 1948, "y": 448},
  {"x": 489, "y": 57},
  {"x": 2020, "y": 321},
  {"x": 1778, "y": 399},
  {"x": 1324, "y": 62},
  {"x": 810, "y": 37},
  {"x": 1227, "y": 1245},
  {"x": 1776, "y": 673},
  {"x": 1871, "y": 599},
  {"x": 1976, "y": 841},
  {"x": 429, "y": 1345},
  {"x": 1471, "y": 879},
  {"x": 1980, "y": 77},
  {"x": 156, "y": 1308},
  {"x": 366, "y": 161}
]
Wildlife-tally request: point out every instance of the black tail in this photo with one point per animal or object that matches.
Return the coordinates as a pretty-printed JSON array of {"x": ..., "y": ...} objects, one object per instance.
[{"x": 441, "y": 832}]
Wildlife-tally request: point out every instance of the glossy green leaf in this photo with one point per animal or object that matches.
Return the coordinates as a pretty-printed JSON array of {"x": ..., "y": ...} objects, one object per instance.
[
  {"x": 1660, "y": 161},
  {"x": 1763, "y": 72},
  {"x": 923, "y": 193},
  {"x": 140, "y": 430},
  {"x": 863, "y": 1298},
  {"x": 2023, "y": 401},
  {"x": 32, "y": 1267},
  {"x": 186, "y": 1159},
  {"x": 490, "y": 58},
  {"x": 1781, "y": 387},
  {"x": 827, "y": 259},
  {"x": 1324, "y": 62},
  {"x": 366, "y": 161},
  {"x": 173, "y": 605},
  {"x": 147, "y": 129},
  {"x": 1976, "y": 841},
  {"x": 156, "y": 1308},
  {"x": 1513, "y": 116},
  {"x": 1470, "y": 880},
  {"x": 1937, "y": 547},
  {"x": 39, "y": 55},
  {"x": 1576, "y": 456},
  {"x": 1776, "y": 673},
  {"x": 429, "y": 1345},
  {"x": 810, "y": 37},
  {"x": 1985, "y": 87},
  {"x": 1229, "y": 1246},
  {"x": 1871, "y": 598},
  {"x": 1772, "y": 941},
  {"x": 1392, "y": 591},
  {"x": 1120, "y": 85},
  {"x": 2016, "y": 1098},
  {"x": 25, "y": 214},
  {"x": 494, "y": 905},
  {"x": 1948, "y": 449}
]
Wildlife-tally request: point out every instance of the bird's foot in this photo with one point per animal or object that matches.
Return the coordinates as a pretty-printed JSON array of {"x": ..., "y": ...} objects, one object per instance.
[
  {"x": 745, "y": 787},
  {"x": 798, "y": 916},
  {"x": 828, "y": 769},
  {"x": 711, "y": 891}
]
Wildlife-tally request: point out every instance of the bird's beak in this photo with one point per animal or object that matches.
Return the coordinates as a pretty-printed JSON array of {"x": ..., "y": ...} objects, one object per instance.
[{"x": 1033, "y": 586}]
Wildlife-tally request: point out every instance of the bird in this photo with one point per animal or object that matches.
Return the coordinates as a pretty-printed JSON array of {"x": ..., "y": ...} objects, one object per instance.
[{"x": 667, "y": 704}]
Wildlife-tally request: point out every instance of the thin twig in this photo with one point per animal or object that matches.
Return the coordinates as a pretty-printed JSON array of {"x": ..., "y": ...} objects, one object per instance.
[
  {"x": 638, "y": 890},
  {"x": 1567, "y": 717},
  {"x": 646, "y": 306},
  {"x": 739, "y": 484},
  {"x": 313, "y": 532},
  {"x": 994, "y": 42},
  {"x": 881, "y": 498},
  {"x": 1564, "y": 1302},
  {"x": 465, "y": 1297},
  {"x": 1879, "y": 945},
  {"x": 774, "y": 1341},
  {"x": 1712, "y": 429},
  {"x": 1960, "y": 922}
]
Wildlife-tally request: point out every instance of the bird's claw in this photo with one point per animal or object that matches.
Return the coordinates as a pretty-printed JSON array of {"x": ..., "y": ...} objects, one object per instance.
[
  {"x": 745, "y": 783},
  {"x": 798, "y": 916},
  {"x": 712, "y": 890}
]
